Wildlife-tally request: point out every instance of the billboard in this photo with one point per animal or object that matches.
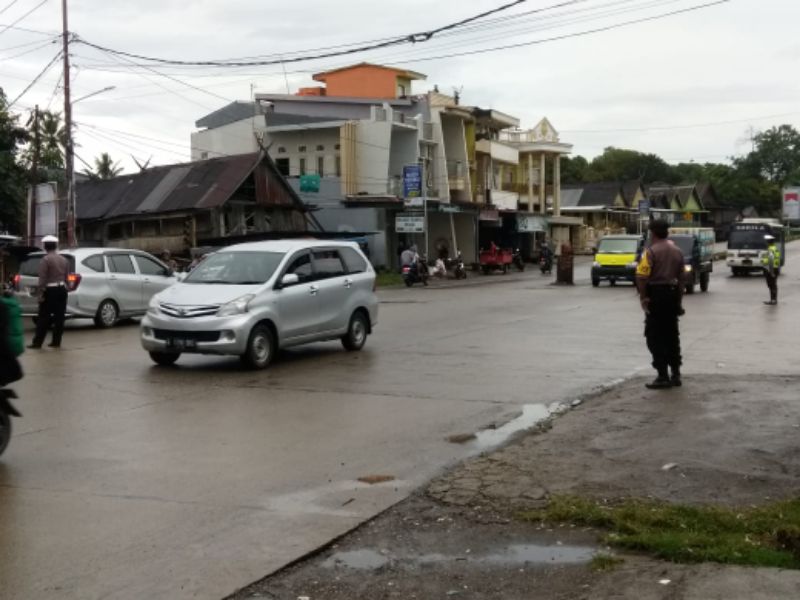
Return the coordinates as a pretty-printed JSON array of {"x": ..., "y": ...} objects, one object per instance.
[
  {"x": 412, "y": 181},
  {"x": 791, "y": 204}
]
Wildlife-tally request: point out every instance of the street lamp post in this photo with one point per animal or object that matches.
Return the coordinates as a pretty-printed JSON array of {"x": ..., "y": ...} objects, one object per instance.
[{"x": 69, "y": 150}]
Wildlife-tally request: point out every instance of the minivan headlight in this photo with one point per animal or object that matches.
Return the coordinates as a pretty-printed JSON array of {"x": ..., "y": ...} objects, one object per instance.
[
  {"x": 154, "y": 307},
  {"x": 688, "y": 268},
  {"x": 595, "y": 264},
  {"x": 633, "y": 265},
  {"x": 235, "y": 307}
]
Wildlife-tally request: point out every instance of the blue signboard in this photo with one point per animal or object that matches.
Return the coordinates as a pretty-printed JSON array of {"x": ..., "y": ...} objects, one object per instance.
[{"x": 412, "y": 181}]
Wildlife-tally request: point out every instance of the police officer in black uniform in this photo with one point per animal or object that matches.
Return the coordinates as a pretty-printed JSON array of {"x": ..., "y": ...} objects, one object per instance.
[{"x": 660, "y": 281}]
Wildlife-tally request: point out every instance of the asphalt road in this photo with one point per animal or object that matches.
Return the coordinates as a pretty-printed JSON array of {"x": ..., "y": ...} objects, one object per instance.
[{"x": 125, "y": 480}]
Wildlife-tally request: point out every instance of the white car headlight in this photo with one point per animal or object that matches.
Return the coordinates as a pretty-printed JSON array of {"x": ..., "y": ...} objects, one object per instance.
[
  {"x": 154, "y": 307},
  {"x": 235, "y": 307},
  {"x": 688, "y": 268},
  {"x": 633, "y": 265},
  {"x": 595, "y": 264}
]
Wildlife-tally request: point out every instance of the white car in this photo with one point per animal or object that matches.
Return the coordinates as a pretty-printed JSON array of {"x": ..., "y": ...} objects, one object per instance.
[
  {"x": 251, "y": 299},
  {"x": 104, "y": 284}
]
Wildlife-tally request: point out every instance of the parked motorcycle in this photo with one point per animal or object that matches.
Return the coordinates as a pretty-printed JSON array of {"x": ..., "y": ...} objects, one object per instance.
[
  {"x": 7, "y": 410},
  {"x": 416, "y": 273},
  {"x": 516, "y": 258},
  {"x": 456, "y": 266}
]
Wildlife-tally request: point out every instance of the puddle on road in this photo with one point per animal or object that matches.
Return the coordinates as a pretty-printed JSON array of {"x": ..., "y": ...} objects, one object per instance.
[
  {"x": 517, "y": 554},
  {"x": 532, "y": 414}
]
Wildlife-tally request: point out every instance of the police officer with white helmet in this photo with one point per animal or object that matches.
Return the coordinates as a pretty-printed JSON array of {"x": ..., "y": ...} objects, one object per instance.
[{"x": 52, "y": 287}]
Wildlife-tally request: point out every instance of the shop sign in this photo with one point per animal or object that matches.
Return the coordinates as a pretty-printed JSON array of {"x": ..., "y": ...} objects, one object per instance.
[
  {"x": 531, "y": 223},
  {"x": 412, "y": 181},
  {"x": 489, "y": 215},
  {"x": 409, "y": 224}
]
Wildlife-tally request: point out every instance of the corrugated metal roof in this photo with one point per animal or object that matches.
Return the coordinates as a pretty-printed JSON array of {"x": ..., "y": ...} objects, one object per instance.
[{"x": 198, "y": 185}]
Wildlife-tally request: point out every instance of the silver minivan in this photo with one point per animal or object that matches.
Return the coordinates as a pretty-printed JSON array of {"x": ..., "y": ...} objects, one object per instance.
[
  {"x": 104, "y": 284},
  {"x": 251, "y": 299}
]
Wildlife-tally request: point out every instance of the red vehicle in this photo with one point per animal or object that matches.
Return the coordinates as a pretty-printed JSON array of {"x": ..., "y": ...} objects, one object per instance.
[{"x": 496, "y": 259}]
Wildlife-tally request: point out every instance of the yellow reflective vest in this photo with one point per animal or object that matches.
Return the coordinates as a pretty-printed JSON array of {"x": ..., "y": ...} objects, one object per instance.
[{"x": 776, "y": 257}]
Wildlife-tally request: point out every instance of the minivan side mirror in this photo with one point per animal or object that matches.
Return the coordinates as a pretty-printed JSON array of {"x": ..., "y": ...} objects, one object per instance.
[{"x": 290, "y": 279}]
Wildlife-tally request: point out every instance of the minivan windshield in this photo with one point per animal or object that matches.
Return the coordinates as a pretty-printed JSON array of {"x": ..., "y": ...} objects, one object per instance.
[
  {"x": 618, "y": 246},
  {"x": 236, "y": 268}
]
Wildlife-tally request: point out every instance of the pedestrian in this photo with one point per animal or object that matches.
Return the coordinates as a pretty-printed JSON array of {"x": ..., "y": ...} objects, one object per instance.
[
  {"x": 52, "y": 289},
  {"x": 660, "y": 281},
  {"x": 166, "y": 258},
  {"x": 771, "y": 262}
]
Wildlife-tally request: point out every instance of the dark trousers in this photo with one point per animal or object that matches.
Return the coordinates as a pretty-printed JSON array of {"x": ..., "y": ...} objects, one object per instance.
[
  {"x": 772, "y": 284},
  {"x": 661, "y": 327},
  {"x": 51, "y": 312}
]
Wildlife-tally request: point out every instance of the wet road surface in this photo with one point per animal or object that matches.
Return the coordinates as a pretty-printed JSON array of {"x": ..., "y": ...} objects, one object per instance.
[{"x": 125, "y": 480}]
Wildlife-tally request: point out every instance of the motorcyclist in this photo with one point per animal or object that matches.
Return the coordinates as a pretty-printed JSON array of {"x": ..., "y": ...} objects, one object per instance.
[
  {"x": 409, "y": 257},
  {"x": 12, "y": 342}
]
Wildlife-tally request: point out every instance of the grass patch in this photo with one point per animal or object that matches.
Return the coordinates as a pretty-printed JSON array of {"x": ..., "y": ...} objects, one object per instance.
[
  {"x": 766, "y": 536},
  {"x": 389, "y": 279},
  {"x": 605, "y": 562}
]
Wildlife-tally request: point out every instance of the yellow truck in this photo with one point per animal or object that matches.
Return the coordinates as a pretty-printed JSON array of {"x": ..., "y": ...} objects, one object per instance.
[{"x": 616, "y": 259}]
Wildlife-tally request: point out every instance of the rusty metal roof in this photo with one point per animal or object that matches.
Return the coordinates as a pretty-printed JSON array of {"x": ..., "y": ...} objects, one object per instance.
[{"x": 197, "y": 185}]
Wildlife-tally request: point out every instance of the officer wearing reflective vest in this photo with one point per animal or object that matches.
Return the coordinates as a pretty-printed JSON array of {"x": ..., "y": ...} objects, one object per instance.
[
  {"x": 771, "y": 262},
  {"x": 660, "y": 282}
]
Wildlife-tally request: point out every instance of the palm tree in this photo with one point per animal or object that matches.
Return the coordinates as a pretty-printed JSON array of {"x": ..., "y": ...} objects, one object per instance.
[
  {"x": 52, "y": 137},
  {"x": 104, "y": 168}
]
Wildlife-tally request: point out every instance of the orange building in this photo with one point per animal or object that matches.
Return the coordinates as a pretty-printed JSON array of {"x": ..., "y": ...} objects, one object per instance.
[{"x": 364, "y": 80}]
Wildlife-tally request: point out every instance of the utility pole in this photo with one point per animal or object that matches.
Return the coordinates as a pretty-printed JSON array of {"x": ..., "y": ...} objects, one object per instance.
[
  {"x": 34, "y": 178},
  {"x": 69, "y": 157}
]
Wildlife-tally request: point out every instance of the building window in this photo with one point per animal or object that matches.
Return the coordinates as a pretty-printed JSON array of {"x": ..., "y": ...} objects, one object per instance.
[
  {"x": 301, "y": 148},
  {"x": 337, "y": 147},
  {"x": 281, "y": 150},
  {"x": 283, "y": 166},
  {"x": 320, "y": 166},
  {"x": 320, "y": 148},
  {"x": 302, "y": 166},
  {"x": 338, "y": 166}
]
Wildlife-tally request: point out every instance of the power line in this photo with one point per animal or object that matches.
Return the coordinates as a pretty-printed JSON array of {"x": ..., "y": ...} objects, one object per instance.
[
  {"x": 36, "y": 79},
  {"x": 23, "y": 17},
  {"x": 412, "y": 38},
  {"x": 678, "y": 127},
  {"x": 13, "y": 2},
  {"x": 568, "y": 35},
  {"x": 31, "y": 50}
]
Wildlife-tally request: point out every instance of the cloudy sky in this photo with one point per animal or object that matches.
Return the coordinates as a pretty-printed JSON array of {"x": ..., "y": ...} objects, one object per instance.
[{"x": 692, "y": 86}]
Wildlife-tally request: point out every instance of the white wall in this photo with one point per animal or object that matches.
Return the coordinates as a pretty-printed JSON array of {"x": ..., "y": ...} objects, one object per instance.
[
  {"x": 372, "y": 156},
  {"x": 291, "y": 141},
  {"x": 234, "y": 138}
]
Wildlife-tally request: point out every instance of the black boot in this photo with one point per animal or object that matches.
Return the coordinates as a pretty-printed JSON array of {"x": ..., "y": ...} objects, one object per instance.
[
  {"x": 675, "y": 380},
  {"x": 661, "y": 382}
]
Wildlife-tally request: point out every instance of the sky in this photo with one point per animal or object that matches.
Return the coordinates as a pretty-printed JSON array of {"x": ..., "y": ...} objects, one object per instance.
[{"x": 692, "y": 86}]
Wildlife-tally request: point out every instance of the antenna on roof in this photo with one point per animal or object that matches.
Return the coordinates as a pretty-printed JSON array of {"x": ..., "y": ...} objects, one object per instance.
[
  {"x": 142, "y": 167},
  {"x": 457, "y": 93}
]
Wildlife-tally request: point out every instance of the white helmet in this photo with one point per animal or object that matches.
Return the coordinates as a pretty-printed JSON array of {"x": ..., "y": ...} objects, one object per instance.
[
  {"x": 49, "y": 239},
  {"x": 769, "y": 237}
]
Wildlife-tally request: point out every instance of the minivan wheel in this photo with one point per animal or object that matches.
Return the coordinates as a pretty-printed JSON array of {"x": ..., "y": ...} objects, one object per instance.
[
  {"x": 165, "y": 359},
  {"x": 107, "y": 314},
  {"x": 260, "y": 348},
  {"x": 357, "y": 331}
]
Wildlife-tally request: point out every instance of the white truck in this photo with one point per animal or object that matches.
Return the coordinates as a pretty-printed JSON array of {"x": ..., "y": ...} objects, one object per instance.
[{"x": 747, "y": 246}]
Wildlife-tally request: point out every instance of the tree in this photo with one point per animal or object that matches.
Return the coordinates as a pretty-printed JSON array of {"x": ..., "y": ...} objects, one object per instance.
[
  {"x": 574, "y": 169},
  {"x": 104, "y": 168},
  {"x": 52, "y": 144},
  {"x": 776, "y": 155},
  {"x": 12, "y": 175},
  {"x": 616, "y": 164}
]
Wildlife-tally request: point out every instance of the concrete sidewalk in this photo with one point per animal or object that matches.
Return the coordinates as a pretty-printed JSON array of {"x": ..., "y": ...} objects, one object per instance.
[{"x": 728, "y": 440}]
